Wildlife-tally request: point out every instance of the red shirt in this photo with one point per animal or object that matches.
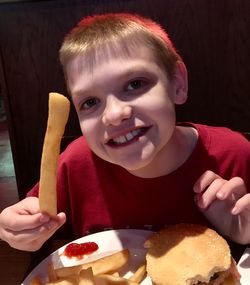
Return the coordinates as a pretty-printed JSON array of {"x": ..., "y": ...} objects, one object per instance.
[{"x": 97, "y": 195}]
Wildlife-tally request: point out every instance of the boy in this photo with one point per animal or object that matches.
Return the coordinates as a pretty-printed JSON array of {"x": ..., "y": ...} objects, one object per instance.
[{"x": 135, "y": 167}]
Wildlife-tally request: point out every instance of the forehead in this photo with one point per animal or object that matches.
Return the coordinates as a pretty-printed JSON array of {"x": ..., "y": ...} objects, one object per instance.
[
  {"x": 114, "y": 62},
  {"x": 123, "y": 49}
]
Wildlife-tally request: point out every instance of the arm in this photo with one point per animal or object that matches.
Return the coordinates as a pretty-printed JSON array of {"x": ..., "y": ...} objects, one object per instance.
[
  {"x": 226, "y": 205},
  {"x": 24, "y": 227}
]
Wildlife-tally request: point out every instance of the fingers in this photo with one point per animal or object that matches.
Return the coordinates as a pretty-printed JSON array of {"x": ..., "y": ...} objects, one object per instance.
[
  {"x": 32, "y": 239},
  {"x": 28, "y": 205},
  {"x": 204, "y": 181},
  {"x": 242, "y": 204},
  {"x": 205, "y": 198},
  {"x": 61, "y": 218},
  {"x": 235, "y": 186},
  {"x": 211, "y": 186},
  {"x": 26, "y": 215},
  {"x": 24, "y": 227},
  {"x": 24, "y": 222},
  {"x": 23, "y": 215}
]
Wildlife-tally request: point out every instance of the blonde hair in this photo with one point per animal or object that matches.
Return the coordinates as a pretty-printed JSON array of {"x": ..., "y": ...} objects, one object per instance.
[{"x": 101, "y": 37}]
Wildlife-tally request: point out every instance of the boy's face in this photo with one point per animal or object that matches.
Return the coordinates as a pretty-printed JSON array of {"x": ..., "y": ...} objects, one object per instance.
[{"x": 126, "y": 108}]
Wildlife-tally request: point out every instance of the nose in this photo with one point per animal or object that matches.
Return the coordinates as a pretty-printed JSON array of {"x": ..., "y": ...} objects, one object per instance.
[{"x": 116, "y": 111}]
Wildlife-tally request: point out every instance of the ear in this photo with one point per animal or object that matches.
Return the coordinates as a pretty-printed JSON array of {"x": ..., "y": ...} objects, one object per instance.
[{"x": 181, "y": 83}]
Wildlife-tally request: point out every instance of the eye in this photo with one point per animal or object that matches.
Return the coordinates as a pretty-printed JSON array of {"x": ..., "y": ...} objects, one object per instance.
[
  {"x": 89, "y": 103},
  {"x": 135, "y": 84}
]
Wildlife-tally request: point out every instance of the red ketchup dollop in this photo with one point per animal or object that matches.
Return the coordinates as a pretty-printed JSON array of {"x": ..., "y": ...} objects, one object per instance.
[{"x": 78, "y": 250}]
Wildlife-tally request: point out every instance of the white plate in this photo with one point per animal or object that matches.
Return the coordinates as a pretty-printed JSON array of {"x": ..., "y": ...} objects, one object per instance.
[
  {"x": 108, "y": 242},
  {"x": 115, "y": 240},
  {"x": 244, "y": 267}
]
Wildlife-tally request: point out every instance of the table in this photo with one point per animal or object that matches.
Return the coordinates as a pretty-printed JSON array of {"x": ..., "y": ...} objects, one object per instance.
[{"x": 15, "y": 264}]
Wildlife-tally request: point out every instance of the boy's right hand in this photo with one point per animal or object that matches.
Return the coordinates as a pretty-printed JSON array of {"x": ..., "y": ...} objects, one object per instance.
[{"x": 24, "y": 227}]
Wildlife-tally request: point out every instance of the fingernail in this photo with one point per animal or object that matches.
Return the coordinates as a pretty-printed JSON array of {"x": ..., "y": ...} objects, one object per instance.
[
  {"x": 220, "y": 195},
  {"x": 235, "y": 211},
  {"x": 197, "y": 199},
  {"x": 44, "y": 219},
  {"x": 52, "y": 224}
]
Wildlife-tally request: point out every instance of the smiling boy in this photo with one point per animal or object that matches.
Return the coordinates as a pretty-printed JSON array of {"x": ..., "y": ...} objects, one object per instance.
[
  {"x": 121, "y": 106},
  {"x": 134, "y": 167}
]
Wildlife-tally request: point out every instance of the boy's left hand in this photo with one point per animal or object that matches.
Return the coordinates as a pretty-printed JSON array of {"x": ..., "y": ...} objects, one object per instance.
[{"x": 226, "y": 205}]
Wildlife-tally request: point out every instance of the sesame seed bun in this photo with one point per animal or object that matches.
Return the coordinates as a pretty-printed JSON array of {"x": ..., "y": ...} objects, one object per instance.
[{"x": 188, "y": 254}]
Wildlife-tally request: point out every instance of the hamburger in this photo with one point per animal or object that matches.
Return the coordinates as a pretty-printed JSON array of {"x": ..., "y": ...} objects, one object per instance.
[{"x": 189, "y": 254}]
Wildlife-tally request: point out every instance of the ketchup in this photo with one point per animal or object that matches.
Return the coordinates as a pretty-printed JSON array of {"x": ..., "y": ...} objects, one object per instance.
[{"x": 80, "y": 249}]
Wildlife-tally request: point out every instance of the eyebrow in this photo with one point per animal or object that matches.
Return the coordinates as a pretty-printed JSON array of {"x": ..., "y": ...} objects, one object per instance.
[{"x": 131, "y": 71}]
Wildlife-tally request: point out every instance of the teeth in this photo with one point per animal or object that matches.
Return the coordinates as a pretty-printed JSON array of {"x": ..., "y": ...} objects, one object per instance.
[
  {"x": 128, "y": 137},
  {"x": 121, "y": 139}
]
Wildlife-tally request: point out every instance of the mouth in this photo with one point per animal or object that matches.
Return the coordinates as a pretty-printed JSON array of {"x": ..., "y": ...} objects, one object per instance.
[{"x": 128, "y": 137}]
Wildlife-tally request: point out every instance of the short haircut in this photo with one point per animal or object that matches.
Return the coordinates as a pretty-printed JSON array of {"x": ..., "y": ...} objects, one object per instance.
[{"x": 101, "y": 37}]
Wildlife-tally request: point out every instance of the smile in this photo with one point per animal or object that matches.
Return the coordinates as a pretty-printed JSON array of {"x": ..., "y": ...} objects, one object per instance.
[{"x": 121, "y": 140}]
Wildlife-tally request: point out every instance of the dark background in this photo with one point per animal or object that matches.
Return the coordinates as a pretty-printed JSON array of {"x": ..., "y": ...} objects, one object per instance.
[{"x": 212, "y": 36}]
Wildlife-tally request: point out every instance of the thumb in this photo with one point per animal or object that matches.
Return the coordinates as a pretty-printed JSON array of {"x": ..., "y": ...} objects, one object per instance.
[{"x": 61, "y": 218}]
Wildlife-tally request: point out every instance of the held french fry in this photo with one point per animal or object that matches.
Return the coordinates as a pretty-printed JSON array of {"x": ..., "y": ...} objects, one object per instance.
[
  {"x": 107, "y": 264},
  {"x": 59, "y": 107}
]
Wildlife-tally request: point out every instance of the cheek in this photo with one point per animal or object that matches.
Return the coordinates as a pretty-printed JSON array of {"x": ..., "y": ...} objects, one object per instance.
[
  {"x": 162, "y": 112},
  {"x": 89, "y": 128},
  {"x": 165, "y": 120},
  {"x": 159, "y": 104},
  {"x": 86, "y": 127}
]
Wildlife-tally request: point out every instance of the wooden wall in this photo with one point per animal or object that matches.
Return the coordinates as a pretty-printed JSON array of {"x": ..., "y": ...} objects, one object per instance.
[{"x": 212, "y": 36}]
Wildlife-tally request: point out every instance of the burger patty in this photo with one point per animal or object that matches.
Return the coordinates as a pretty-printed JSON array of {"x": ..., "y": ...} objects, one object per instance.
[{"x": 219, "y": 277}]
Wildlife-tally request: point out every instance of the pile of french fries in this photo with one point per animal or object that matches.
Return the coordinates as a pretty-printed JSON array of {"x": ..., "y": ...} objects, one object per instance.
[{"x": 103, "y": 271}]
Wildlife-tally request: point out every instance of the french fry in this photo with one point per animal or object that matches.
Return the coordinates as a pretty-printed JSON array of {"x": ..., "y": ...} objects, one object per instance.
[
  {"x": 116, "y": 274},
  {"x": 51, "y": 273},
  {"x": 107, "y": 264},
  {"x": 35, "y": 281},
  {"x": 86, "y": 277},
  {"x": 105, "y": 279},
  {"x": 69, "y": 280},
  {"x": 103, "y": 271},
  {"x": 59, "y": 107},
  {"x": 139, "y": 274}
]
